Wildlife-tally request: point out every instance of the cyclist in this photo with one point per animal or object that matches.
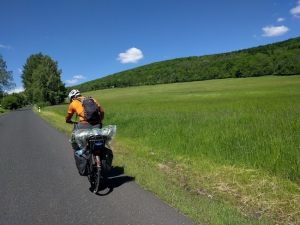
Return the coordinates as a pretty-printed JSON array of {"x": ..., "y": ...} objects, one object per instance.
[{"x": 76, "y": 107}]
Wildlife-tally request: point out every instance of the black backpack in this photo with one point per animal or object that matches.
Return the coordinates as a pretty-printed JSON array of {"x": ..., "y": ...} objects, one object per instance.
[{"x": 91, "y": 111}]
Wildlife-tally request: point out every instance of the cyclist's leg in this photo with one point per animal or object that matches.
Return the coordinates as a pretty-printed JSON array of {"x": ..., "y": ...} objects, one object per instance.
[{"x": 97, "y": 125}]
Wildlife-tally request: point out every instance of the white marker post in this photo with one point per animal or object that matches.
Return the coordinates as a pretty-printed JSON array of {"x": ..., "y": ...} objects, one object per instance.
[{"x": 39, "y": 109}]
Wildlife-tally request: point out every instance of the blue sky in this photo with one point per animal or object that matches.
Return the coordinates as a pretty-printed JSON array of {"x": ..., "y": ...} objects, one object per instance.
[{"x": 92, "y": 39}]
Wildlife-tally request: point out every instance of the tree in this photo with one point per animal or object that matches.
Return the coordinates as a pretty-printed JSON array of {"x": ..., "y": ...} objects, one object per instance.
[
  {"x": 6, "y": 77},
  {"x": 31, "y": 64},
  {"x": 41, "y": 80}
]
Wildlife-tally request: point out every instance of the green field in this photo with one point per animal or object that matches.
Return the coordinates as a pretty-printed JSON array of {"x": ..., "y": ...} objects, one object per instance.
[{"x": 220, "y": 151}]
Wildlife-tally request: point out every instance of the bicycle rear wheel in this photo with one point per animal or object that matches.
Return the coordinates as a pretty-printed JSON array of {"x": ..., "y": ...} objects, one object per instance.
[{"x": 97, "y": 179}]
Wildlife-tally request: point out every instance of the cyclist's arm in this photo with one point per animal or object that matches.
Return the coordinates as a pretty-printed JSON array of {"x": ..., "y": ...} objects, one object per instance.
[{"x": 70, "y": 114}]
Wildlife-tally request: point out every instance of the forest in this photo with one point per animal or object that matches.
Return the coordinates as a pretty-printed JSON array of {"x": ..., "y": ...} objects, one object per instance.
[{"x": 280, "y": 58}]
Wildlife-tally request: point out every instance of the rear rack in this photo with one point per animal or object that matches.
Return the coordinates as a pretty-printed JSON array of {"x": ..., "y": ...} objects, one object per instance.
[{"x": 97, "y": 141}]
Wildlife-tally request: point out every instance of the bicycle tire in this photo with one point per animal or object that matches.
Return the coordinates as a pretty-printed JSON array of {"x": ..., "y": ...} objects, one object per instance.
[{"x": 97, "y": 179}]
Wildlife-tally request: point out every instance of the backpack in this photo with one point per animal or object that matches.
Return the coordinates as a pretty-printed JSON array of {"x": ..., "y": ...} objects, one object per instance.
[{"x": 91, "y": 112}]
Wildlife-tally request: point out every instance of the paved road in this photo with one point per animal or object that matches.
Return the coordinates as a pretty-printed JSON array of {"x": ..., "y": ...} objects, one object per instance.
[{"x": 39, "y": 183}]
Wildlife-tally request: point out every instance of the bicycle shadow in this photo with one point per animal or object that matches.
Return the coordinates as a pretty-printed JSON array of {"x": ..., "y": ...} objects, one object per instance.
[{"x": 113, "y": 179}]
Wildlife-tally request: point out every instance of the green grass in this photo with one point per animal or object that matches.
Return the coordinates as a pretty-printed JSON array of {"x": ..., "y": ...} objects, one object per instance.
[
  {"x": 3, "y": 110},
  {"x": 231, "y": 144}
]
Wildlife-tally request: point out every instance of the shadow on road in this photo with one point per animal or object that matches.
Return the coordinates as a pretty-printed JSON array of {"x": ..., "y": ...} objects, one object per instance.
[{"x": 115, "y": 178}]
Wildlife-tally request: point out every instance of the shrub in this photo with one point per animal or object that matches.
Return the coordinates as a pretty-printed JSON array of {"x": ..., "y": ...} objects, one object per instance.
[
  {"x": 10, "y": 102},
  {"x": 43, "y": 104}
]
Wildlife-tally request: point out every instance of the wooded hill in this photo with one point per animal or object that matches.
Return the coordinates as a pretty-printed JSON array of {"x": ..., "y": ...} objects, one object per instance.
[{"x": 280, "y": 58}]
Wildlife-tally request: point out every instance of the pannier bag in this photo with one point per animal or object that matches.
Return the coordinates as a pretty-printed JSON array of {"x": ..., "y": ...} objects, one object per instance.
[
  {"x": 107, "y": 161},
  {"x": 84, "y": 163},
  {"x": 79, "y": 140}
]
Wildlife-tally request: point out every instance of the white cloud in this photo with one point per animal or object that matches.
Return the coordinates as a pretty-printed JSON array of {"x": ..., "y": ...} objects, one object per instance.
[
  {"x": 296, "y": 10},
  {"x": 132, "y": 55},
  {"x": 16, "y": 90},
  {"x": 5, "y": 46},
  {"x": 20, "y": 70},
  {"x": 271, "y": 31},
  {"x": 256, "y": 37},
  {"x": 75, "y": 79},
  {"x": 280, "y": 19},
  {"x": 79, "y": 77}
]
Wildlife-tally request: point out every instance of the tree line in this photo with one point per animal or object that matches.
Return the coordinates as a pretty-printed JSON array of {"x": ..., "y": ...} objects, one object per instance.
[
  {"x": 41, "y": 82},
  {"x": 281, "y": 58}
]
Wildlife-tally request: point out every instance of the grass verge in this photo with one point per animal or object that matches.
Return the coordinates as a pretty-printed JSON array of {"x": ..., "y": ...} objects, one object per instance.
[{"x": 3, "y": 110}]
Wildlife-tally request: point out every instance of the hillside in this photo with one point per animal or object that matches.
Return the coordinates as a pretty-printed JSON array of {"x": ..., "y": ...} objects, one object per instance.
[{"x": 280, "y": 58}]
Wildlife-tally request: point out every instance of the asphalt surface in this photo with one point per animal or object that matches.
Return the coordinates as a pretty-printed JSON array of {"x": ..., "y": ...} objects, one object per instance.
[{"x": 39, "y": 182}]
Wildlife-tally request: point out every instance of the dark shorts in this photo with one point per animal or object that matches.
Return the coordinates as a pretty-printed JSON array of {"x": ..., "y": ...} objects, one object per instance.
[{"x": 87, "y": 126}]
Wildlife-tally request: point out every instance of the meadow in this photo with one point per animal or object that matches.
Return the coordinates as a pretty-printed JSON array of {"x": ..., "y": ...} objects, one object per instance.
[{"x": 220, "y": 151}]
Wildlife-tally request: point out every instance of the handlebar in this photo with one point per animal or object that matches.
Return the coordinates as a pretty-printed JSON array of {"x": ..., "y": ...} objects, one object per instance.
[{"x": 72, "y": 122}]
